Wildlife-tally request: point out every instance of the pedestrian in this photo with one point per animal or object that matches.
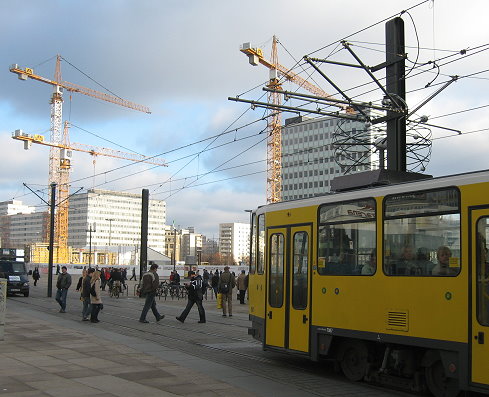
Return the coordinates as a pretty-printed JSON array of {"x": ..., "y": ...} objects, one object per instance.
[
  {"x": 36, "y": 276},
  {"x": 150, "y": 283},
  {"x": 103, "y": 280},
  {"x": 215, "y": 282},
  {"x": 124, "y": 278},
  {"x": 176, "y": 279},
  {"x": 62, "y": 284},
  {"x": 205, "y": 279},
  {"x": 80, "y": 280},
  {"x": 133, "y": 274},
  {"x": 95, "y": 297},
  {"x": 226, "y": 285},
  {"x": 57, "y": 269},
  {"x": 242, "y": 286},
  {"x": 85, "y": 294},
  {"x": 194, "y": 295}
]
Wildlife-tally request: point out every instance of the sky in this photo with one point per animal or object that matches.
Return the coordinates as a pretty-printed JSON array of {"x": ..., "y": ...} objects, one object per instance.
[{"x": 182, "y": 60}]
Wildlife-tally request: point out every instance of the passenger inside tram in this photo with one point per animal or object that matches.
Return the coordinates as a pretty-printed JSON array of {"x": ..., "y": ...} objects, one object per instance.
[
  {"x": 407, "y": 262},
  {"x": 442, "y": 268},
  {"x": 369, "y": 268}
]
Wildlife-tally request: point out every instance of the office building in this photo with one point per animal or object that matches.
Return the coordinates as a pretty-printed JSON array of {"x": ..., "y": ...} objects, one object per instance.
[
  {"x": 114, "y": 219},
  {"x": 308, "y": 154}
]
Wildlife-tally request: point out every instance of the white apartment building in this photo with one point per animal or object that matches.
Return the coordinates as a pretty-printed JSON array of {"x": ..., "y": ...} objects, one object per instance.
[
  {"x": 115, "y": 220},
  {"x": 191, "y": 244},
  {"x": 20, "y": 230},
  {"x": 13, "y": 207},
  {"x": 21, "y": 225},
  {"x": 308, "y": 157},
  {"x": 234, "y": 241}
]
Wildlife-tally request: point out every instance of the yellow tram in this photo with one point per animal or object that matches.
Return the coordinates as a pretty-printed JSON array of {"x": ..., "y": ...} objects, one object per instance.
[{"x": 391, "y": 281}]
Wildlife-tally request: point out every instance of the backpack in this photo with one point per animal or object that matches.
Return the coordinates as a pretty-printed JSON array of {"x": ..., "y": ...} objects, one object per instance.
[
  {"x": 224, "y": 288},
  {"x": 92, "y": 290}
]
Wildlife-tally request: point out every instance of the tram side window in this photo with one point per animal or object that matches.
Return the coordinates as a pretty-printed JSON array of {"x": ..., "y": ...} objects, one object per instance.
[
  {"x": 301, "y": 268},
  {"x": 347, "y": 238},
  {"x": 422, "y": 233},
  {"x": 276, "y": 287},
  {"x": 253, "y": 243},
  {"x": 482, "y": 272},
  {"x": 261, "y": 245}
]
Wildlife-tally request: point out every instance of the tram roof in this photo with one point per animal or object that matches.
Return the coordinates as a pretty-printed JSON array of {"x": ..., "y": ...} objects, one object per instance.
[{"x": 461, "y": 179}]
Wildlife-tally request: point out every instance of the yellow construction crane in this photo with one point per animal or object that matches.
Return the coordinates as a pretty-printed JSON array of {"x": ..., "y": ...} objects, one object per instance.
[
  {"x": 66, "y": 155},
  {"x": 58, "y": 167},
  {"x": 274, "y": 145}
]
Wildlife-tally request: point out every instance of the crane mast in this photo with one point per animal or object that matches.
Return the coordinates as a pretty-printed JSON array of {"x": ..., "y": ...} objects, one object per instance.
[{"x": 274, "y": 143}]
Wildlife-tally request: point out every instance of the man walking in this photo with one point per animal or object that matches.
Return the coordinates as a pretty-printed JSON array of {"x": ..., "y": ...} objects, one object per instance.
[
  {"x": 133, "y": 274},
  {"x": 242, "y": 286},
  {"x": 195, "y": 295},
  {"x": 62, "y": 284},
  {"x": 226, "y": 285},
  {"x": 150, "y": 283}
]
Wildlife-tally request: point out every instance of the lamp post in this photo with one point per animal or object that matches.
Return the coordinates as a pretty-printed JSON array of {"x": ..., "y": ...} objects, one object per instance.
[
  {"x": 90, "y": 230},
  {"x": 110, "y": 236},
  {"x": 110, "y": 228},
  {"x": 174, "y": 255}
]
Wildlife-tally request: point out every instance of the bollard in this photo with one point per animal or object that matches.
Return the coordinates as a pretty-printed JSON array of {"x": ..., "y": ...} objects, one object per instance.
[{"x": 3, "y": 306}]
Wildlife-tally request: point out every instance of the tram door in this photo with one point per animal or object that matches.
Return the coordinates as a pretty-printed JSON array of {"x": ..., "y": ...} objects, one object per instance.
[
  {"x": 480, "y": 297},
  {"x": 288, "y": 298}
]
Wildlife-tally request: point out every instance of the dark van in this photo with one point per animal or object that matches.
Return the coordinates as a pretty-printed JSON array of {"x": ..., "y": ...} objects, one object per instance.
[{"x": 16, "y": 275}]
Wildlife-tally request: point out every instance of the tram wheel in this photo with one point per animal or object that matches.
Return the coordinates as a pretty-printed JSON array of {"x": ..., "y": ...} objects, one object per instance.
[
  {"x": 354, "y": 359},
  {"x": 438, "y": 383}
]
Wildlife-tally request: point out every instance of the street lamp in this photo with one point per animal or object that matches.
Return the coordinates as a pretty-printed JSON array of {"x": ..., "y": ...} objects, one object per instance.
[
  {"x": 110, "y": 227},
  {"x": 90, "y": 230},
  {"x": 110, "y": 235}
]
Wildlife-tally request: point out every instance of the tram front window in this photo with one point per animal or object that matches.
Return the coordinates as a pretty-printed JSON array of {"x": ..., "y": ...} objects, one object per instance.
[{"x": 422, "y": 234}]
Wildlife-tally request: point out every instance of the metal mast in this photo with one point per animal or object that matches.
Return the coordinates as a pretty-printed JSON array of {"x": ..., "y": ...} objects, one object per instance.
[{"x": 274, "y": 145}]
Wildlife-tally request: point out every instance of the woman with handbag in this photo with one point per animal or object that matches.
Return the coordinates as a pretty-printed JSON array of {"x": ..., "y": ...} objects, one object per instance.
[{"x": 95, "y": 297}]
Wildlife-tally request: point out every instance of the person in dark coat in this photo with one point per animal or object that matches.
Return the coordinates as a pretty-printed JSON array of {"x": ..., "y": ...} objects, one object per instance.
[
  {"x": 36, "y": 276},
  {"x": 194, "y": 295},
  {"x": 215, "y": 282},
  {"x": 133, "y": 274},
  {"x": 85, "y": 294},
  {"x": 62, "y": 284}
]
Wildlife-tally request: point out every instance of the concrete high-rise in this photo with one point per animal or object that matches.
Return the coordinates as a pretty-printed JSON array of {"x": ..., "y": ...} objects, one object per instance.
[{"x": 308, "y": 155}]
